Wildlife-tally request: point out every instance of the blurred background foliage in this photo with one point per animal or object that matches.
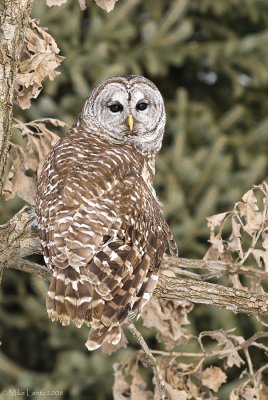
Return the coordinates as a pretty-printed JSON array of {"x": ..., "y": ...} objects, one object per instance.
[{"x": 210, "y": 61}]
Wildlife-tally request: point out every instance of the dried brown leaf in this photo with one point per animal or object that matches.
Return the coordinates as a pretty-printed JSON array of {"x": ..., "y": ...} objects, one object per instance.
[
  {"x": 193, "y": 390},
  {"x": 256, "y": 285},
  {"x": 39, "y": 139},
  {"x": 128, "y": 384},
  {"x": 235, "y": 243},
  {"x": 39, "y": 59},
  {"x": 216, "y": 220},
  {"x": 233, "y": 395},
  {"x": 138, "y": 386},
  {"x": 265, "y": 240},
  {"x": 228, "y": 341},
  {"x": 213, "y": 378},
  {"x": 217, "y": 243},
  {"x": 212, "y": 254},
  {"x": 218, "y": 249},
  {"x": 107, "y": 5},
  {"x": 216, "y": 223},
  {"x": 246, "y": 392},
  {"x": 264, "y": 392},
  {"x": 248, "y": 218},
  {"x": 27, "y": 160},
  {"x": 173, "y": 394},
  {"x": 235, "y": 282},
  {"x": 51, "y": 3},
  {"x": 168, "y": 317},
  {"x": 177, "y": 380},
  {"x": 172, "y": 373},
  {"x": 82, "y": 4},
  {"x": 121, "y": 388},
  {"x": 250, "y": 210},
  {"x": 261, "y": 257},
  {"x": 17, "y": 183}
]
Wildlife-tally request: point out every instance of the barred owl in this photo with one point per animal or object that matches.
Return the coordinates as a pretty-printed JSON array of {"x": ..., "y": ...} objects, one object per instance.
[{"x": 101, "y": 226}]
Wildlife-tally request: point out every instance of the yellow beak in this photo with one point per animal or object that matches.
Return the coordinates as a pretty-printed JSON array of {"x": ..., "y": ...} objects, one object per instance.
[{"x": 130, "y": 122}]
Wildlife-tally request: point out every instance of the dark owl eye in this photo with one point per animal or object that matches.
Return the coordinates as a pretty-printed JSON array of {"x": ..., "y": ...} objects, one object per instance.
[
  {"x": 141, "y": 106},
  {"x": 117, "y": 107}
]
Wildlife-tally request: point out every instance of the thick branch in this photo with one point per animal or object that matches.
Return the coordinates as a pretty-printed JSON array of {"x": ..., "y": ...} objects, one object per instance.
[
  {"x": 19, "y": 238},
  {"x": 213, "y": 294},
  {"x": 14, "y": 15}
]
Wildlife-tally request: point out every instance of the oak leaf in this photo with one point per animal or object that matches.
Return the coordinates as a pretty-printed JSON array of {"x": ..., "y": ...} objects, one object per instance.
[
  {"x": 121, "y": 388},
  {"x": 168, "y": 317},
  {"x": 107, "y": 5},
  {"x": 39, "y": 59},
  {"x": 213, "y": 378},
  {"x": 51, "y": 3},
  {"x": 17, "y": 182},
  {"x": 228, "y": 341}
]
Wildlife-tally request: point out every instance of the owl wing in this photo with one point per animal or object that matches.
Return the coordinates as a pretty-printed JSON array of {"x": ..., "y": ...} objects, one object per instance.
[
  {"x": 106, "y": 253},
  {"x": 124, "y": 270},
  {"x": 71, "y": 232}
]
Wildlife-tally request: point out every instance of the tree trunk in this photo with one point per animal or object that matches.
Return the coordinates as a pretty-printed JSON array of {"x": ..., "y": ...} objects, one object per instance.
[{"x": 14, "y": 16}]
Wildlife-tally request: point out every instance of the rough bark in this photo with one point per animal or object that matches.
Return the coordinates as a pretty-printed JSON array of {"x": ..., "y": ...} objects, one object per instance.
[
  {"x": 14, "y": 16},
  {"x": 219, "y": 296},
  {"x": 19, "y": 238}
]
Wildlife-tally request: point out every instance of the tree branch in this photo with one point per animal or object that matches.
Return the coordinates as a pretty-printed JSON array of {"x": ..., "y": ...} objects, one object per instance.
[
  {"x": 14, "y": 16},
  {"x": 219, "y": 296},
  {"x": 19, "y": 238}
]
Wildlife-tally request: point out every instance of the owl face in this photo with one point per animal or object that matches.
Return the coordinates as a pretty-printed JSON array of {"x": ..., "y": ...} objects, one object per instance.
[{"x": 129, "y": 110}]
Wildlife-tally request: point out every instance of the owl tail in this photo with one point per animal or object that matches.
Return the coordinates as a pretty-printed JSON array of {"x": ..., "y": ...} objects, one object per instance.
[
  {"x": 69, "y": 297},
  {"x": 103, "y": 334}
]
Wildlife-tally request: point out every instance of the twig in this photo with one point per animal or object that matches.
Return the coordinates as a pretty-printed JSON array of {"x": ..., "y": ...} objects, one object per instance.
[
  {"x": 1, "y": 272},
  {"x": 216, "y": 353},
  {"x": 32, "y": 268},
  {"x": 179, "y": 265},
  {"x": 150, "y": 359}
]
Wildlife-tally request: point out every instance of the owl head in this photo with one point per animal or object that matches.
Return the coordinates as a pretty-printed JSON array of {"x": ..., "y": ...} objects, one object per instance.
[{"x": 126, "y": 110}]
